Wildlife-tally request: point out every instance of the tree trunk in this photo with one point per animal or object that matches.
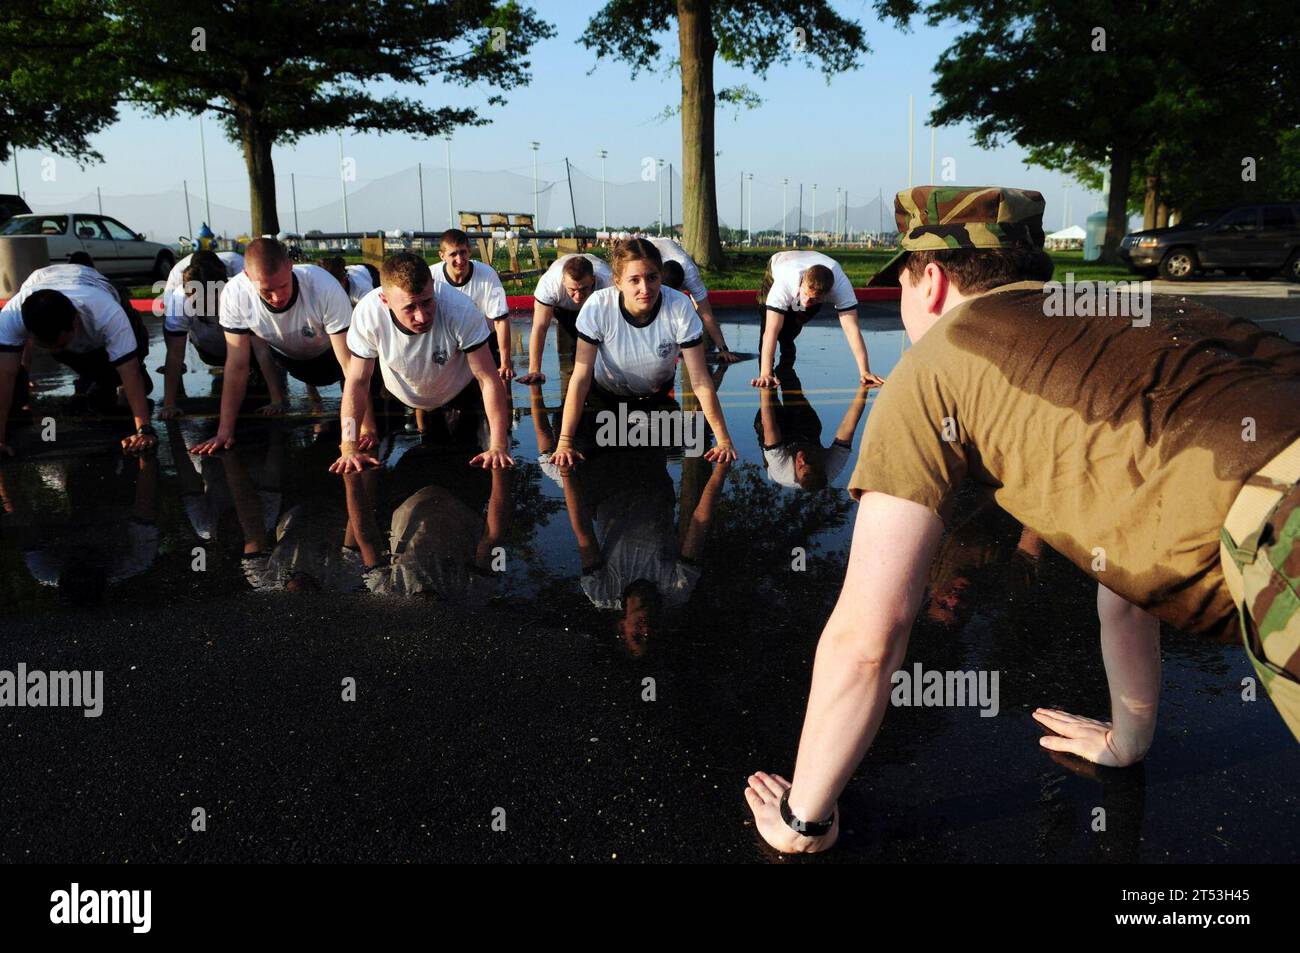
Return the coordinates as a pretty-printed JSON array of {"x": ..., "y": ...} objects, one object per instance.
[
  {"x": 1152, "y": 201},
  {"x": 1162, "y": 215},
  {"x": 1121, "y": 167},
  {"x": 699, "y": 182},
  {"x": 257, "y": 140}
]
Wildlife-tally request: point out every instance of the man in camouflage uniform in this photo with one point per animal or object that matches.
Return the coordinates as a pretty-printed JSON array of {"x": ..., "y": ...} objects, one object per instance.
[{"x": 1152, "y": 442}]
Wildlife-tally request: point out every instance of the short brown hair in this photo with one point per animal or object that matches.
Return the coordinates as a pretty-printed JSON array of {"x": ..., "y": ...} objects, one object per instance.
[
  {"x": 266, "y": 254},
  {"x": 578, "y": 268},
  {"x": 634, "y": 249},
  {"x": 205, "y": 270},
  {"x": 976, "y": 270},
  {"x": 454, "y": 237},
  {"x": 819, "y": 279},
  {"x": 406, "y": 271},
  {"x": 337, "y": 267}
]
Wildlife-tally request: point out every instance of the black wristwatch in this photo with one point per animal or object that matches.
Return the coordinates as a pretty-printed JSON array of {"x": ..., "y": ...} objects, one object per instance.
[
  {"x": 806, "y": 828},
  {"x": 145, "y": 431}
]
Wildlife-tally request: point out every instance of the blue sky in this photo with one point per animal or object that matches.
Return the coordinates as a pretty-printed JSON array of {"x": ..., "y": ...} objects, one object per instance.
[{"x": 850, "y": 133}]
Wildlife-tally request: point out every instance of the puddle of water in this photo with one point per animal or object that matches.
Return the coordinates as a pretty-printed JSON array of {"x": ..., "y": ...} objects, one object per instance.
[{"x": 720, "y": 576}]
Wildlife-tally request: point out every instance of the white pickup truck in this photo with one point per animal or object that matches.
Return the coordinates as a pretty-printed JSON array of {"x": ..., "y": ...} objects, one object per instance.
[{"x": 117, "y": 251}]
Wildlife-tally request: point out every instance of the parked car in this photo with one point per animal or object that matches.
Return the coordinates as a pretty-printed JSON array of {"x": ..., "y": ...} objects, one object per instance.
[
  {"x": 1257, "y": 240},
  {"x": 11, "y": 205},
  {"x": 118, "y": 251}
]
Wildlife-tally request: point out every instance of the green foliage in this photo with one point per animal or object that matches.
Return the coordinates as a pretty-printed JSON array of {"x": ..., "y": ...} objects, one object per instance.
[
  {"x": 61, "y": 79},
  {"x": 298, "y": 69},
  {"x": 754, "y": 34}
]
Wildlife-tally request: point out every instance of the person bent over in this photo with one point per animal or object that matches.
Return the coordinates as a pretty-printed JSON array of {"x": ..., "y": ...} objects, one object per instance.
[
  {"x": 72, "y": 311},
  {"x": 429, "y": 342}
]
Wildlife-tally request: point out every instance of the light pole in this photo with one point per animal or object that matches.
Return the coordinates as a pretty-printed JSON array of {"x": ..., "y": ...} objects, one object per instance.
[
  {"x": 659, "y": 192},
  {"x": 343, "y": 183},
  {"x": 751, "y": 209},
  {"x": 451, "y": 206},
  {"x": 604, "y": 218},
  {"x": 419, "y": 178},
  {"x": 203, "y": 150},
  {"x": 537, "y": 216},
  {"x": 813, "y": 230},
  {"x": 784, "y": 208},
  {"x": 742, "y": 204},
  {"x": 837, "y": 213}
]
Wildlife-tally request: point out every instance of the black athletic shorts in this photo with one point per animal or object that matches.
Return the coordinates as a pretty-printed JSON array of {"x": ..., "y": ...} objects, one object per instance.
[{"x": 319, "y": 371}]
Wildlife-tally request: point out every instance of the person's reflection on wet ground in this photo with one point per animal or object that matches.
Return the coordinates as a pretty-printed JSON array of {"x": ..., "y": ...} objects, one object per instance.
[
  {"x": 98, "y": 539},
  {"x": 302, "y": 544},
  {"x": 446, "y": 520},
  {"x": 634, "y": 558},
  {"x": 790, "y": 434},
  {"x": 987, "y": 558}
]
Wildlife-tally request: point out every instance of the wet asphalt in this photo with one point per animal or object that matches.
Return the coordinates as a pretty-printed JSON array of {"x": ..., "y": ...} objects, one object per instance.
[{"x": 525, "y": 710}]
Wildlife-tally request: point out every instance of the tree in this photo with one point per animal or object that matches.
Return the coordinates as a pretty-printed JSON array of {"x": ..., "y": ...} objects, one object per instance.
[
  {"x": 753, "y": 34},
  {"x": 277, "y": 70},
  {"x": 60, "y": 84},
  {"x": 1108, "y": 82}
]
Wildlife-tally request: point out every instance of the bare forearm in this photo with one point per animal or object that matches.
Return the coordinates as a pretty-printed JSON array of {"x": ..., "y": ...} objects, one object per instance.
[
  {"x": 354, "y": 409},
  {"x": 850, "y": 693},
  {"x": 577, "y": 397},
  {"x": 234, "y": 383},
  {"x": 132, "y": 377},
  {"x": 852, "y": 334},
  {"x": 502, "y": 327},
  {"x": 537, "y": 341},
  {"x": 1130, "y": 650},
  {"x": 767, "y": 350},
  {"x": 173, "y": 370},
  {"x": 498, "y": 413},
  {"x": 712, "y": 408}
]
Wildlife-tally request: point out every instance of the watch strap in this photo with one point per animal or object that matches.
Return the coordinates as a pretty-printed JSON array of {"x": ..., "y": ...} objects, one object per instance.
[{"x": 806, "y": 828}]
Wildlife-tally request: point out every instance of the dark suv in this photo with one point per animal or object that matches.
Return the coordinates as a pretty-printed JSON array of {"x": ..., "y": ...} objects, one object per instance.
[
  {"x": 11, "y": 205},
  {"x": 1258, "y": 240}
]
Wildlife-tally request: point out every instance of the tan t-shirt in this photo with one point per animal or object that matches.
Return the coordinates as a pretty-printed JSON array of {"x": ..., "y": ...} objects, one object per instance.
[{"x": 1114, "y": 442}]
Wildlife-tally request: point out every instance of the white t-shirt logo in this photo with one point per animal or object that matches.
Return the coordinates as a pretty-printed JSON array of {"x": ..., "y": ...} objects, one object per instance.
[
  {"x": 440, "y": 356},
  {"x": 665, "y": 348},
  {"x": 307, "y": 332}
]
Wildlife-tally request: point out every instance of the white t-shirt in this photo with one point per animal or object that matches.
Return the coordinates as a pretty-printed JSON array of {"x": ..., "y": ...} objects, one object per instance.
[
  {"x": 483, "y": 287},
  {"x": 233, "y": 261},
  {"x": 633, "y": 361},
  {"x": 670, "y": 250},
  {"x": 300, "y": 331},
  {"x": 360, "y": 283},
  {"x": 550, "y": 287},
  {"x": 780, "y": 462},
  {"x": 102, "y": 322},
  {"x": 178, "y": 314},
  {"x": 788, "y": 268},
  {"x": 426, "y": 370}
]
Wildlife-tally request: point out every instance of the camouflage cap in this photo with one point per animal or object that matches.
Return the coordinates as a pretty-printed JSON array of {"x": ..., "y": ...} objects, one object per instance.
[{"x": 943, "y": 217}]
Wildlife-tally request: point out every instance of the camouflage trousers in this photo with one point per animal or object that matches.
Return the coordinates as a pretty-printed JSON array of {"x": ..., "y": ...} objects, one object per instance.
[{"x": 1259, "y": 549}]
